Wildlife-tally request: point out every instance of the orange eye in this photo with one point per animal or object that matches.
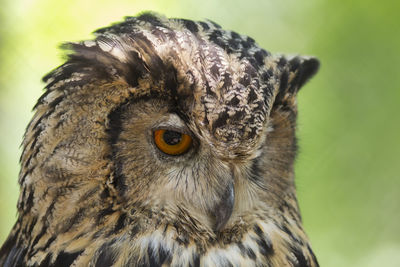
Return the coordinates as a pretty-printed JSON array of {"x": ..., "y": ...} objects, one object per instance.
[{"x": 171, "y": 142}]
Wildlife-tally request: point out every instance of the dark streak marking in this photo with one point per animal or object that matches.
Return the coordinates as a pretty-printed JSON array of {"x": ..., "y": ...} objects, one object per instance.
[
  {"x": 196, "y": 260},
  {"x": 106, "y": 257},
  {"x": 314, "y": 259},
  {"x": 14, "y": 254},
  {"x": 159, "y": 257},
  {"x": 301, "y": 260},
  {"x": 221, "y": 121},
  {"x": 66, "y": 259},
  {"x": 263, "y": 242},
  {"x": 120, "y": 223},
  {"x": 190, "y": 25},
  {"x": 46, "y": 261}
]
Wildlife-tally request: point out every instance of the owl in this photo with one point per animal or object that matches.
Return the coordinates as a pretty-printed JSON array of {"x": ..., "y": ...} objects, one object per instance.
[{"x": 163, "y": 142}]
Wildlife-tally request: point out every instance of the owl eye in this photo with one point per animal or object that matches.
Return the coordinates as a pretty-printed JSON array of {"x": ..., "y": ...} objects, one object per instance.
[{"x": 172, "y": 142}]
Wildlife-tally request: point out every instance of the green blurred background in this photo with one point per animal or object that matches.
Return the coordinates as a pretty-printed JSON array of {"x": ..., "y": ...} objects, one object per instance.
[{"x": 349, "y": 127}]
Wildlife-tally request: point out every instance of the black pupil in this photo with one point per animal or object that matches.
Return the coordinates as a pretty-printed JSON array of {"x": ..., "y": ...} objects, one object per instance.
[{"x": 172, "y": 137}]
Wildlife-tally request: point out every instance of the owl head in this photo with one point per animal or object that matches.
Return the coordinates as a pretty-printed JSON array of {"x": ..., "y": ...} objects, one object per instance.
[{"x": 162, "y": 121}]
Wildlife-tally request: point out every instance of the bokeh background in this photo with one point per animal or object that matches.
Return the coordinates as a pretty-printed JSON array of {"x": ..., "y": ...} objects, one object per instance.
[{"x": 348, "y": 168}]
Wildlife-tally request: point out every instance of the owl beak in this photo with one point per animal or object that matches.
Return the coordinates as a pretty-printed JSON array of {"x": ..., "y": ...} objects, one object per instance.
[{"x": 223, "y": 210}]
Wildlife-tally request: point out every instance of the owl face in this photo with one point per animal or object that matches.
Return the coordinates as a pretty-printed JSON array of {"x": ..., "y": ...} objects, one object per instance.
[
  {"x": 195, "y": 177},
  {"x": 164, "y": 135}
]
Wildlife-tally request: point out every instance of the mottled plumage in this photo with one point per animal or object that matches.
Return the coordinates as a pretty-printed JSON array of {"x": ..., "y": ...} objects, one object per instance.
[{"x": 96, "y": 190}]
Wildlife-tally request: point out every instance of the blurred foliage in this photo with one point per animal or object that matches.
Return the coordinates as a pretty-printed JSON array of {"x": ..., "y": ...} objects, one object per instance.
[{"x": 348, "y": 166}]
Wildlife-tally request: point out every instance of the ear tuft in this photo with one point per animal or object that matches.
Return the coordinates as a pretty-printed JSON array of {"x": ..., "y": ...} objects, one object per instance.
[
  {"x": 295, "y": 73},
  {"x": 304, "y": 68}
]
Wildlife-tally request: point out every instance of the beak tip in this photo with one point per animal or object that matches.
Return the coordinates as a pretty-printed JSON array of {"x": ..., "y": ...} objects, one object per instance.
[{"x": 223, "y": 210}]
